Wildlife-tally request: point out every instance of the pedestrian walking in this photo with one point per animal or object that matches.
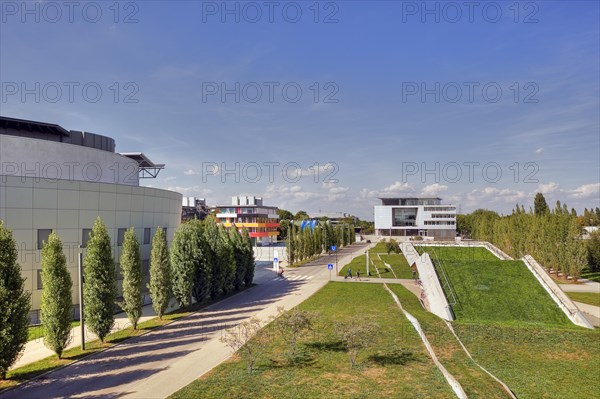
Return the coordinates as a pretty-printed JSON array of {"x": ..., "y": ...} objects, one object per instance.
[
  {"x": 348, "y": 274},
  {"x": 358, "y": 275}
]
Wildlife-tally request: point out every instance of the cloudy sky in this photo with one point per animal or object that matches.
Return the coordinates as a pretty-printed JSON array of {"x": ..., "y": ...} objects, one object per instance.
[{"x": 324, "y": 106}]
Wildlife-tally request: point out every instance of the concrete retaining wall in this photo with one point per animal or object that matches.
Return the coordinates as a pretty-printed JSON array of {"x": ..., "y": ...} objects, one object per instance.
[
  {"x": 436, "y": 299},
  {"x": 562, "y": 300}
]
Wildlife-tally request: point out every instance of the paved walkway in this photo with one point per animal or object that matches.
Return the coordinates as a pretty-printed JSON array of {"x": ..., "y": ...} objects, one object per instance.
[
  {"x": 159, "y": 363},
  {"x": 588, "y": 286}
]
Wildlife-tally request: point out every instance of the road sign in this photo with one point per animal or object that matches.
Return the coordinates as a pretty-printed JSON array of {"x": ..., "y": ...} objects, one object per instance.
[
  {"x": 275, "y": 259},
  {"x": 330, "y": 266},
  {"x": 333, "y": 247}
]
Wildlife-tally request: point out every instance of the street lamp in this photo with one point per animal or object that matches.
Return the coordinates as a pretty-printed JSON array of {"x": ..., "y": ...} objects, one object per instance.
[{"x": 81, "y": 318}]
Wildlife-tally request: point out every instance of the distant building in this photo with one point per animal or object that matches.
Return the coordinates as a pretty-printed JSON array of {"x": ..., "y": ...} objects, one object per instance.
[
  {"x": 415, "y": 216},
  {"x": 193, "y": 208},
  {"x": 261, "y": 221},
  {"x": 333, "y": 217}
]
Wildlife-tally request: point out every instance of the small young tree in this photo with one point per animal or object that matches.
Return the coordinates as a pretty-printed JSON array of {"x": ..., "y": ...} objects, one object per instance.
[
  {"x": 160, "y": 273},
  {"x": 392, "y": 246},
  {"x": 240, "y": 337},
  {"x": 99, "y": 288},
  {"x": 356, "y": 334},
  {"x": 14, "y": 303},
  {"x": 291, "y": 325},
  {"x": 131, "y": 265},
  {"x": 56, "y": 311},
  {"x": 250, "y": 264}
]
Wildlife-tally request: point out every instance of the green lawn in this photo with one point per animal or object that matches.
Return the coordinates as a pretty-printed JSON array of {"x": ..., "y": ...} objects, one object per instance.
[
  {"x": 492, "y": 290},
  {"x": 397, "y": 366},
  {"x": 475, "y": 382},
  {"x": 590, "y": 275},
  {"x": 537, "y": 361},
  {"x": 591, "y": 298},
  {"x": 398, "y": 266}
]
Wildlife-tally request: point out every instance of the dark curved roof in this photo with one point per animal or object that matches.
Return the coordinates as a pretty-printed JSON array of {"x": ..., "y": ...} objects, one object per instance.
[{"x": 32, "y": 126}]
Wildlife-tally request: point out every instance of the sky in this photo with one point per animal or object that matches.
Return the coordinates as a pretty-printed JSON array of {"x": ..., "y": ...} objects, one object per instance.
[{"x": 324, "y": 106}]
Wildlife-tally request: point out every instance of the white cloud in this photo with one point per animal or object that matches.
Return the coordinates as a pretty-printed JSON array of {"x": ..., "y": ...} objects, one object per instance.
[
  {"x": 170, "y": 178},
  {"x": 398, "y": 187},
  {"x": 434, "y": 189},
  {"x": 548, "y": 188},
  {"x": 191, "y": 172},
  {"x": 586, "y": 191},
  {"x": 539, "y": 151}
]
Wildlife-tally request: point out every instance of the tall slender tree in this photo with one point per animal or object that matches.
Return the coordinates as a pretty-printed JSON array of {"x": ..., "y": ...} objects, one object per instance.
[
  {"x": 239, "y": 254},
  {"x": 56, "y": 311},
  {"x": 185, "y": 255},
  {"x": 131, "y": 265},
  {"x": 160, "y": 273},
  {"x": 250, "y": 264},
  {"x": 14, "y": 303},
  {"x": 99, "y": 288}
]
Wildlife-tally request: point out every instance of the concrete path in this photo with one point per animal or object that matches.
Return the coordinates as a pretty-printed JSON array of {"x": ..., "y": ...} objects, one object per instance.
[
  {"x": 589, "y": 286},
  {"x": 165, "y": 360}
]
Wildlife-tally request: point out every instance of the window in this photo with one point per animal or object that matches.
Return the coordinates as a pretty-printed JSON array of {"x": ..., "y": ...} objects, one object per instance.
[
  {"x": 85, "y": 237},
  {"x": 121, "y": 236},
  {"x": 42, "y": 235},
  {"x": 147, "y": 235},
  {"x": 145, "y": 267},
  {"x": 39, "y": 279}
]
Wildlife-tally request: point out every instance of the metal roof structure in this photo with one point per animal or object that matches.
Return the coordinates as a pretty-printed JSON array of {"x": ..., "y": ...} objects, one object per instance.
[
  {"x": 147, "y": 168},
  {"x": 33, "y": 126}
]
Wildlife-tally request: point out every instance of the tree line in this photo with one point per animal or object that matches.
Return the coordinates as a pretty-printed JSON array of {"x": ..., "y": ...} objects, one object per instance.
[
  {"x": 552, "y": 236},
  {"x": 205, "y": 261},
  {"x": 306, "y": 243}
]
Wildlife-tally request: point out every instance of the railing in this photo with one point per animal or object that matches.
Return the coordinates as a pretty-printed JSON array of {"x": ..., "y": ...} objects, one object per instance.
[{"x": 446, "y": 286}]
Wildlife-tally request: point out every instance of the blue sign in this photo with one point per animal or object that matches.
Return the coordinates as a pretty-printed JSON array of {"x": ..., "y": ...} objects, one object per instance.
[
  {"x": 330, "y": 266},
  {"x": 333, "y": 247},
  {"x": 275, "y": 259}
]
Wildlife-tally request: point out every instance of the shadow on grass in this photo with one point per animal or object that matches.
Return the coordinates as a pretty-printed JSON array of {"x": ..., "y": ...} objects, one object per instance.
[
  {"x": 332, "y": 346},
  {"x": 398, "y": 357}
]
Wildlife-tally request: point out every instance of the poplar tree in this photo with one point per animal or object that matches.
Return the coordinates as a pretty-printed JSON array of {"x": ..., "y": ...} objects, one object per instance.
[
  {"x": 99, "y": 288},
  {"x": 14, "y": 303},
  {"x": 239, "y": 254},
  {"x": 250, "y": 264},
  {"x": 56, "y": 310},
  {"x": 131, "y": 266},
  {"x": 160, "y": 273},
  {"x": 185, "y": 254}
]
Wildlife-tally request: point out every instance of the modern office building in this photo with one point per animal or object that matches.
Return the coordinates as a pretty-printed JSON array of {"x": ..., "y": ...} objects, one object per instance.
[
  {"x": 55, "y": 179},
  {"x": 415, "y": 216},
  {"x": 193, "y": 208},
  {"x": 261, "y": 221}
]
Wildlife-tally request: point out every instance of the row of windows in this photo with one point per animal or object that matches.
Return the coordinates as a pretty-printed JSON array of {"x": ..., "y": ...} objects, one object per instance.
[
  {"x": 439, "y": 209},
  {"x": 267, "y": 211},
  {"x": 43, "y": 234},
  {"x": 118, "y": 270},
  {"x": 439, "y": 222},
  {"x": 442, "y": 215}
]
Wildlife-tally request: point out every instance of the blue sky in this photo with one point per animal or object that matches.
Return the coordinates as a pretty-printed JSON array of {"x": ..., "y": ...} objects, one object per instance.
[{"x": 378, "y": 68}]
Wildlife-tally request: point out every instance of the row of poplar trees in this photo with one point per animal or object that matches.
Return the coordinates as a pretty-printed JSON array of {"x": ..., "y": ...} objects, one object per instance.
[
  {"x": 551, "y": 236},
  {"x": 205, "y": 261},
  {"x": 306, "y": 243}
]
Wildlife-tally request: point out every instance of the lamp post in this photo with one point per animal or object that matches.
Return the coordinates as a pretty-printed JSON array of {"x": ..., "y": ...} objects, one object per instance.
[{"x": 81, "y": 317}]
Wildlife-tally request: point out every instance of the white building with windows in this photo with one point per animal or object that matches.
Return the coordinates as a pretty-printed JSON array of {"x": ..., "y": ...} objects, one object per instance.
[
  {"x": 61, "y": 180},
  {"x": 415, "y": 216}
]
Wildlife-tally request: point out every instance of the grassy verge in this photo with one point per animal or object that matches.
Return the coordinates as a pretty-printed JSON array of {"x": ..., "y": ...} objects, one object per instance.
[
  {"x": 399, "y": 264},
  {"x": 396, "y": 365},
  {"x": 492, "y": 290},
  {"x": 475, "y": 382},
  {"x": 591, "y": 298},
  {"x": 537, "y": 361}
]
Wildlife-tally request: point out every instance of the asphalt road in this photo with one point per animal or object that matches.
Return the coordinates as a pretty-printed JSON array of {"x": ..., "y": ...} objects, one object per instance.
[{"x": 161, "y": 362}]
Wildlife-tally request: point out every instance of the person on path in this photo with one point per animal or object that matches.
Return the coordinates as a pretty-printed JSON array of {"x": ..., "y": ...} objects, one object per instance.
[
  {"x": 349, "y": 274},
  {"x": 358, "y": 275}
]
